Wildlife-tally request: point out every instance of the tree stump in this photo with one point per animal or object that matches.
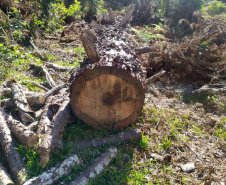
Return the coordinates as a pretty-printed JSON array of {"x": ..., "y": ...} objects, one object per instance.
[{"x": 108, "y": 90}]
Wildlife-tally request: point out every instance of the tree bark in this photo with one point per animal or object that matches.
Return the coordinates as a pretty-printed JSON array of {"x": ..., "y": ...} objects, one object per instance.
[
  {"x": 58, "y": 68},
  {"x": 21, "y": 132},
  {"x": 51, "y": 176},
  {"x": 96, "y": 168},
  {"x": 4, "y": 91},
  {"x": 5, "y": 178},
  {"x": 108, "y": 90},
  {"x": 21, "y": 103},
  {"x": 127, "y": 136},
  {"x": 13, "y": 158},
  {"x": 51, "y": 126}
]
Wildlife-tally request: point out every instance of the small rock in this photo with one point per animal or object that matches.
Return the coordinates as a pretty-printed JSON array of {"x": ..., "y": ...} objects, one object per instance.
[{"x": 189, "y": 167}]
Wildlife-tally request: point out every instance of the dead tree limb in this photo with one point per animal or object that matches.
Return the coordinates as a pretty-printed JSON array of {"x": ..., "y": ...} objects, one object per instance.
[
  {"x": 127, "y": 136},
  {"x": 155, "y": 76},
  {"x": 111, "y": 16},
  {"x": 39, "y": 86},
  {"x": 90, "y": 50},
  {"x": 21, "y": 103},
  {"x": 58, "y": 68},
  {"x": 96, "y": 168},
  {"x": 90, "y": 35},
  {"x": 8, "y": 82},
  {"x": 52, "y": 139},
  {"x": 210, "y": 90},
  {"x": 21, "y": 132},
  {"x": 51, "y": 176},
  {"x": 13, "y": 158},
  {"x": 33, "y": 126},
  {"x": 143, "y": 50},
  {"x": 96, "y": 26},
  {"x": 34, "y": 46},
  {"x": 5, "y": 178},
  {"x": 128, "y": 16}
]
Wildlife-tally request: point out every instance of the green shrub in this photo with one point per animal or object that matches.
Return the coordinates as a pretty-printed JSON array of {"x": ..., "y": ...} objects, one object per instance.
[{"x": 216, "y": 8}]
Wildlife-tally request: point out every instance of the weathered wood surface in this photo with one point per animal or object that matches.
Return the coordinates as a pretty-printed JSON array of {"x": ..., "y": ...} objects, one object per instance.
[
  {"x": 96, "y": 168},
  {"x": 51, "y": 176},
  {"x": 51, "y": 125},
  {"x": 5, "y": 178},
  {"x": 20, "y": 131},
  {"x": 21, "y": 103},
  {"x": 13, "y": 158},
  {"x": 127, "y": 136},
  {"x": 108, "y": 90}
]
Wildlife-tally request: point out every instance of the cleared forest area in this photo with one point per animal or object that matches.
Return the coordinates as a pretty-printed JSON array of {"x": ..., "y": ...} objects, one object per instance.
[{"x": 113, "y": 92}]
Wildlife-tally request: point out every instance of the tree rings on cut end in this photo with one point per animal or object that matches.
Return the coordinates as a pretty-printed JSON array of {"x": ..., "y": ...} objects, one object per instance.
[{"x": 104, "y": 97}]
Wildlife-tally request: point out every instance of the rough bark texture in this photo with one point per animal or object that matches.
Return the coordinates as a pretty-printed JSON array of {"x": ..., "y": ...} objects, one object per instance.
[
  {"x": 52, "y": 175},
  {"x": 21, "y": 132},
  {"x": 130, "y": 135},
  {"x": 96, "y": 168},
  {"x": 109, "y": 91},
  {"x": 21, "y": 103},
  {"x": 52, "y": 128},
  {"x": 8, "y": 146},
  {"x": 5, "y": 178},
  {"x": 4, "y": 91}
]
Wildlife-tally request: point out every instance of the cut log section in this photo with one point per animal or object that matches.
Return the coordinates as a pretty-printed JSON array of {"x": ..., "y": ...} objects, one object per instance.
[
  {"x": 13, "y": 158},
  {"x": 21, "y": 132},
  {"x": 109, "y": 90}
]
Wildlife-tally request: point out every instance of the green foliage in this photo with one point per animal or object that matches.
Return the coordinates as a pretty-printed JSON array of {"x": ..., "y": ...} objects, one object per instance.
[
  {"x": 197, "y": 3},
  {"x": 166, "y": 143},
  {"x": 145, "y": 142},
  {"x": 216, "y": 8}
]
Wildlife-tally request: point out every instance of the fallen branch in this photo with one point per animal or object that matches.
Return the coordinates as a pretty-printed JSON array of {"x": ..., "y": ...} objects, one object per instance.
[
  {"x": 58, "y": 68},
  {"x": 21, "y": 103},
  {"x": 48, "y": 77},
  {"x": 155, "y": 76},
  {"x": 33, "y": 126},
  {"x": 128, "y": 15},
  {"x": 7, "y": 103},
  {"x": 127, "y": 136},
  {"x": 209, "y": 90},
  {"x": 8, "y": 146},
  {"x": 34, "y": 46},
  {"x": 143, "y": 50},
  {"x": 51, "y": 176},
  {"x": 39, "y": 86},
  {"x": 96, "y": 168},
  {"x": 5, "y": 178},
  {"x": 21, "y": 132}
]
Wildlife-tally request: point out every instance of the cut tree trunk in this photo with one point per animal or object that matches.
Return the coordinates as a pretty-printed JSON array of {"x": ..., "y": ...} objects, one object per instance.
[
  {"x": 21, "y": 132},
  {"x": 13, "y": 158},
  {"x": 108, "y": 90}
]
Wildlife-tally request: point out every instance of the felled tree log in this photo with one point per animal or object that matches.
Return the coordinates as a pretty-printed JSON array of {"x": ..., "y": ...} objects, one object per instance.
[
  {"x": 21, "y": 103},
  {"x": 206, "y": 89},
  {"x": 96, "y": 168},
  {"x": 51, "y": 176},
  {"x": 53, "y": 130},
  {"x": 21, "y": 132},
  {"x": 108, "y": 90},
  {"x": 13, "y": 158},
  {"x": 130, "y": 135},
  {"x": 5, "y": 178},
  {"x": 7, "y": 103}
]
